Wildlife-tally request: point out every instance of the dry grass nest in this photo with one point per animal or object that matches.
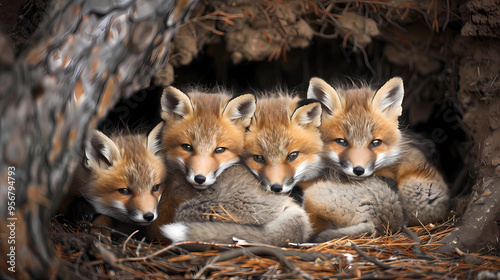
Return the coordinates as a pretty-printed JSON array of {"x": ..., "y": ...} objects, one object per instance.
[{"x": 402, "y": 255}]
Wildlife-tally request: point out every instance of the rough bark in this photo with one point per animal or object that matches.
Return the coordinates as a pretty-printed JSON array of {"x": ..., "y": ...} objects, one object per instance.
[
  {"x": 479, "y": 229},
  {"x": 87, "y": 55}
]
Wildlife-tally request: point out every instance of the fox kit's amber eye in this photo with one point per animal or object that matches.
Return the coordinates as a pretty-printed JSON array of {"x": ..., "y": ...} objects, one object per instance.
[
  {"x": 258, "y": 158},
  {"x": 156, "y": 188},
  {"x": 124, "y": 191},
  {"x": 219, "y": 150},
  {"x": 187, "y": 147},
  {"x": 341, "y": 141},
  {"x": 376, "y": 143},
  {"x": 292, "y": 156}
]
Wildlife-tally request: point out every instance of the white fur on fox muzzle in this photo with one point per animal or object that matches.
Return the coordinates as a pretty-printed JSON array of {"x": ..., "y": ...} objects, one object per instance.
[
  {"x": 386, "y": 159},
  {"x": 210, "y": 178},
  {"x": 116, "y": 210},
  {"x": 192, "y": 178},
  {"x": 308, "y": 170},
  {"x": 283, "y": 188},
  {"x": 139, "y": 217},
  {"x": 356, "y": 172},
  {"x": 287, "y": 188},
  {"x": 350, "y": 172}
]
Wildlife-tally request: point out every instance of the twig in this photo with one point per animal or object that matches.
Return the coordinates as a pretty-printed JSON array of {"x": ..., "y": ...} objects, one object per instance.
[
  {"x": 264, "y": 251},
  {"x": 210, "y": 28},
  {"x": 161, "y": 251},
  {"x": 416, "y": 248},
  {"x": 367, "y": 61},
  {"x": 127, "y": 240},
  {"x": 447, "y": 14},
  {"x": 369, "y": 258},
  {"x": 111, "y": 230},
  {"x": 139, "y": 247},
  {"x": 325, "y": 36},
  {"x": 215, "y": 214},
  {"x": 270, "y": 273},
  {"x": 227, "y": 213},
  {"x": 422, "y": 224}
]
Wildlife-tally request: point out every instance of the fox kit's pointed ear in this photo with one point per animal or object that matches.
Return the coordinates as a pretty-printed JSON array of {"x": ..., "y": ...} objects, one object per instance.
[
  {"x": 307, "y": 113},
  {"x": 176, "y": 104},
  {"x": 389, "y": 97},
  {"x": 101, "y": 151},
  {"x": 324, "y": 93},
  {"x": 240, "y": 109},
  {"x": 154, "y": 138}
]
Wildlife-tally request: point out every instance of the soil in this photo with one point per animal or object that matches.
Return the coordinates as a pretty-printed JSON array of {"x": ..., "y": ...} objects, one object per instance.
[{"x": 482, "y": 18}]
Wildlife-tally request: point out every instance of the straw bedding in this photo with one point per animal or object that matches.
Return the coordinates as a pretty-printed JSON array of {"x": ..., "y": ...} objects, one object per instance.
[{"x": 401, "y": 255}]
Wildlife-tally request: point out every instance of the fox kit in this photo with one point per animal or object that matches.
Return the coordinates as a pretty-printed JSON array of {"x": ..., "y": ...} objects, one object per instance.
[
  {"x": 283, "y": 144},
  {"x": 338, "y": 208},
  {"x": 236, "y": 206},
  {"x": 121, "y": 177},
  {"x": 361, "y": 136},
  {"x": 204, "y": 132},
  {"x": 203, "y": 138}
]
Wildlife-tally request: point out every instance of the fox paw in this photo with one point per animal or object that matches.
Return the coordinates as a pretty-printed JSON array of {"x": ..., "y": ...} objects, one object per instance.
[{"x": 425, "y": 202}]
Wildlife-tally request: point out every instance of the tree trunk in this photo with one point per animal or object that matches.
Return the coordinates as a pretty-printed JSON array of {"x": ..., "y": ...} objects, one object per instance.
[
  {"x": 479, "y": 229},
  {"x": 87, "y": 55}
]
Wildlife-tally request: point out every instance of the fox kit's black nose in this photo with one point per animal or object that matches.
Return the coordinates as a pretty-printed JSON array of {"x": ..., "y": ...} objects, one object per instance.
[
  {"x": 358, "y": 170},
  {"x": 148, "y": 216},
  {"x": 276, "y": 187},
  {"x": 200, "y": 179}
]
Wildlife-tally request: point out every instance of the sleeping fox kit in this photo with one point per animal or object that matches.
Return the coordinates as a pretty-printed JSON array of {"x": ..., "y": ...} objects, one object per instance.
[
  {"x": 362, "y": 138},
  {"x": 121, "y": 178},
  {"x": 203, "y": 140}
]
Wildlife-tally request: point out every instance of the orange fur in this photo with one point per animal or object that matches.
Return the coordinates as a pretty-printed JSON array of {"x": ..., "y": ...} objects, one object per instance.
[
  {"x": 204, "y": 132},
  {"x": 359, "y": 123},
  {"x": 121, "y": 177},
  {"x": 279, "y": 129},
  {"x": 362, "y": 138},
  {"x": 205, "y": 122},
  {"x": 139, "y": 170}
]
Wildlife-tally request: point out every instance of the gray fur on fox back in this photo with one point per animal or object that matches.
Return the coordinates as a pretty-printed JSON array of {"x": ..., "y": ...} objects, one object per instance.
[
  {"x": 353, "y": 208},
  {"x": 248, "y": 212}
]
